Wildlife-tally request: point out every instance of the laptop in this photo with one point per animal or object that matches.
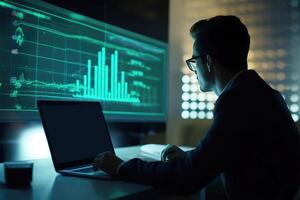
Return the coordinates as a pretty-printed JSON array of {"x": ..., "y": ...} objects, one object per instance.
[{"x": 76, "y": 132}]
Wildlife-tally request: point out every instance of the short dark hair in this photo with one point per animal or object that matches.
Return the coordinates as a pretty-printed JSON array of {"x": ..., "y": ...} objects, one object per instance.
[{"x": 224, "y": 37}]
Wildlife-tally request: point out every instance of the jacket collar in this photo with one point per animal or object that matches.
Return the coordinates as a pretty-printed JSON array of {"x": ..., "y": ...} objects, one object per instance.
[
  {"x": 236, "y": 81},
  {"x": 232, "y": 80}
]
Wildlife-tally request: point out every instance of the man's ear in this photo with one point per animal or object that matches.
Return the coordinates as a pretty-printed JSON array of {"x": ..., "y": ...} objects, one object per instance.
[{"x": 208, "y": 62}]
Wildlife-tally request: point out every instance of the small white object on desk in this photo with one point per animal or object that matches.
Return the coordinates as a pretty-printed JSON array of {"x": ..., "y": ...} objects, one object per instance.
[{"x": 153, "y": 151}]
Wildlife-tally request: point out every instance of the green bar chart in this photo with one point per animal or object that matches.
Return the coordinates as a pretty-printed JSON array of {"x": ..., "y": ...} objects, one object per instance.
[{"x": 97, "y": 88}]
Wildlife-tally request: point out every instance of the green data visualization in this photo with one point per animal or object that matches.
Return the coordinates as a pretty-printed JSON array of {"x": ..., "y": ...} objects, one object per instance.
[{"x": 50, "y": 53}]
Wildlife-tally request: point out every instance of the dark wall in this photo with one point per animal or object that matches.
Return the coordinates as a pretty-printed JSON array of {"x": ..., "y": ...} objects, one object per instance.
[{"x": 147, "y": 17}]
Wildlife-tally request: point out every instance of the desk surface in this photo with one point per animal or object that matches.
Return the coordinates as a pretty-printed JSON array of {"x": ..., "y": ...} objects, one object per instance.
[{"x": 47, "y": 184}]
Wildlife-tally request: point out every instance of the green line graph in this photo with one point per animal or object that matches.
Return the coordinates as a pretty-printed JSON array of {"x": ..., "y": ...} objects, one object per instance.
[
  {"x": 45, "y": 53},
  {"x": 87, "y": 39}
]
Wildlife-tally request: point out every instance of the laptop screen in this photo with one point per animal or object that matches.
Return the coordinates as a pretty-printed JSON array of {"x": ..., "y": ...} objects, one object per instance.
[{"x": 76, "y": 131}]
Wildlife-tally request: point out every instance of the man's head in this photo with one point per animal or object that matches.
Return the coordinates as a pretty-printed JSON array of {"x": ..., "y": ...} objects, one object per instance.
[{"x": 221, "y": 46}]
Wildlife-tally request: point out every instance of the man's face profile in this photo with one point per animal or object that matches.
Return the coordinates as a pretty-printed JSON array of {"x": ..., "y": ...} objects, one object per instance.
[{"x": 201, "y": 71}]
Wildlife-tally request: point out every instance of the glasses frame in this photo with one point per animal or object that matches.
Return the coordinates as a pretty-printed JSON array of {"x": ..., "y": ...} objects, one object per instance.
[{"x": 192, "y": 59}]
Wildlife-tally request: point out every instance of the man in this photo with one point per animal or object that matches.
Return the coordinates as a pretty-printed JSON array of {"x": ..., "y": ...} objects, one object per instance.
[{"x": 253, "y": 142}]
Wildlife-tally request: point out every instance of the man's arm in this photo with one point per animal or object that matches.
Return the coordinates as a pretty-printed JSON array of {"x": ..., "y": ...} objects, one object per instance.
[
  {"x": 199, "y": 167},
  {"x": 186, "y": 175}
]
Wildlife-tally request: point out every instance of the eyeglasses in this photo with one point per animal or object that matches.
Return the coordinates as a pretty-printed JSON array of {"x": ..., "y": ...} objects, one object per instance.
[{"x": 191, "y": 63}]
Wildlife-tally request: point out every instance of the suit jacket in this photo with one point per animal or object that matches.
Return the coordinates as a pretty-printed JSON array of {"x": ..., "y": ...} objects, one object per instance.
[{"x": 253, "y": 144}]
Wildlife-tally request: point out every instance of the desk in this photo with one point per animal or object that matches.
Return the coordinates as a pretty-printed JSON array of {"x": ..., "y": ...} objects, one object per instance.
[{"x": 47, "y": 184}]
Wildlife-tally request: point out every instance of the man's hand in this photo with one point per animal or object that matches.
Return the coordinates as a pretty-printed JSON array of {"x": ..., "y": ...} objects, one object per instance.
[
  {"x": 172, "y": 153},
  {"x": 107, "y": 162}
]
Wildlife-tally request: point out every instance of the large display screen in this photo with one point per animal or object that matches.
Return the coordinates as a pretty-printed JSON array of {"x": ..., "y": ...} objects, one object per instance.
[{"x": 47, "y": 52}]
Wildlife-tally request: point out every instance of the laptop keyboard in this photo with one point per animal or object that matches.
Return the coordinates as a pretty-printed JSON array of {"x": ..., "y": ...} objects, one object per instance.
[{"x": 88, "y": 169}]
